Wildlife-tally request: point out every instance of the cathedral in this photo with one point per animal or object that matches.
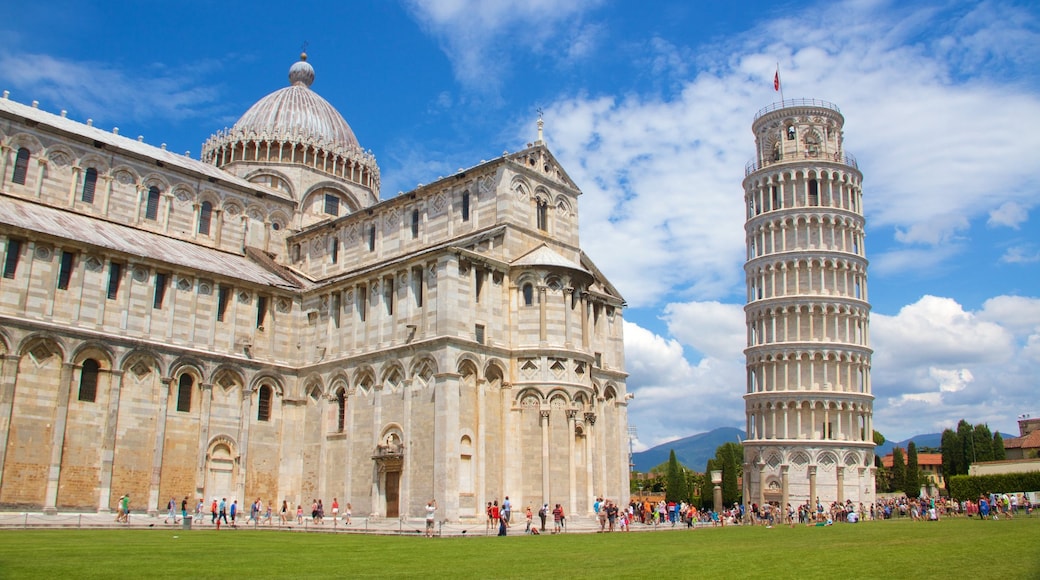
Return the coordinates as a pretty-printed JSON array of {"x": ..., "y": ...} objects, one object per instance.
[{"x": 260, "y": 323}]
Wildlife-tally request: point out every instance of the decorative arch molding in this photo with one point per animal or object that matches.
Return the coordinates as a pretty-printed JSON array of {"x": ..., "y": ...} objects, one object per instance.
[
  {"x": 364, "y": 379},
  {"x": 350, "y": 201},
  {"x": 187, "y": 364},
  {"x": 256, "y": 176},
  {"x": 41, "y": 346},
  {"x": 392, "y": 375},
  {"x": 222, "y": 439},
  {"x": 61, "y": 156},
  {"x": 156, "y": 180},
  {"x": 96, "y": 161},
  {"x": 424, "y": 367},
  {"x": 521, "y": 187},
  {"x": 529, "y": 398},
  {"x": 270, "y": 379},
  {"x": 228, "y": 378},
  {"x": 30, "y": 142},
  {"x": 98, "y": 351}
]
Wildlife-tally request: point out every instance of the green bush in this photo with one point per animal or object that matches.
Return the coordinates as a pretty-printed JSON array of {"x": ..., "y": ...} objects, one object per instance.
[{"x": 963, "y": 487}]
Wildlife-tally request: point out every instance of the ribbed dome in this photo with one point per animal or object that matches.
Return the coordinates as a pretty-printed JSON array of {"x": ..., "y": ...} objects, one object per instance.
[{"x": 297, "y": 110}]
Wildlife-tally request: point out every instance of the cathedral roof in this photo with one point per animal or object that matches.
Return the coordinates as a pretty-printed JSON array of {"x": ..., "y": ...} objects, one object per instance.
[
  {"x": 50, "y": 221},
  {"x": 545, "y": 256},
  {"x": 297, "y": 110}
]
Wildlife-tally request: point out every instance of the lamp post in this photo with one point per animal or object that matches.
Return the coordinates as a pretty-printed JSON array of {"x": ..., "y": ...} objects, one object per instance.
[{"x": 716, "y": 480}]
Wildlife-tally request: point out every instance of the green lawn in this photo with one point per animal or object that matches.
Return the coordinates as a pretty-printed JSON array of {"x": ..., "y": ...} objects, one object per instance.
[{"x": 893, "y": 549}]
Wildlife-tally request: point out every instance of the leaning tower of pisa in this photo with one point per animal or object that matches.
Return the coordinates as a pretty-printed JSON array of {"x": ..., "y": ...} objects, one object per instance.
[{"x": 808, "y": 400}]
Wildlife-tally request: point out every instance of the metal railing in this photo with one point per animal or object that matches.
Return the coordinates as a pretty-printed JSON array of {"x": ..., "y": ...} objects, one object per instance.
[
  {"x": 836, "y": 157},
  {"x": 797, "y": 103}
]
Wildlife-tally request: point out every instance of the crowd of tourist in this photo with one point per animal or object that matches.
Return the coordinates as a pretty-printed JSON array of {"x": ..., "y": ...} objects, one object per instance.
[{"x": 611, "y": 517}]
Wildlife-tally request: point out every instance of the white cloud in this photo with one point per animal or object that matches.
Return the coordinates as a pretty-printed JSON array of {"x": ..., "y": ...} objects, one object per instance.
[
  {"x": 934, "y": 361},
  {"x": 108, "y": 94},
  {"x": 1010, "y": 214},
  {"x": 674, "y": 398},
  {"x": 479, "y": 37},
  {"x": 1021, "y": 254}
]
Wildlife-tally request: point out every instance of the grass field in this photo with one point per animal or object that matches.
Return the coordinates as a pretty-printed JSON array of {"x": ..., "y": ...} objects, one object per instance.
[{"x": 893, "y": 549}]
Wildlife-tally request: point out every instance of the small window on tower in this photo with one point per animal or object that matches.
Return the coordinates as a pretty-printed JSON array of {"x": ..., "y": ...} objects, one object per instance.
[
  {"x": 331, "y": 204},
  {"x": 151, "y": 209},
  {"x": 790, "y": 132},
  {"x": 89, "y": 184},
  {"x": 21, "y": 166}
]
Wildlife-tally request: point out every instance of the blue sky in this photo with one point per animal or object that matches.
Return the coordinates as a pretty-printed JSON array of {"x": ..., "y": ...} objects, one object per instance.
[{"x": 648, "y": 105}]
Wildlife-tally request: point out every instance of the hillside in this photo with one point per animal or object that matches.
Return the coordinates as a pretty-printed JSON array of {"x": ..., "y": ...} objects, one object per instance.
[{"x": 693, "y": 451}]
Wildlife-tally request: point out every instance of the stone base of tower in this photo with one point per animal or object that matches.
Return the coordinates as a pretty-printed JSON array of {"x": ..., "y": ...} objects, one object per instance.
[{"x": 787, "y": 474}]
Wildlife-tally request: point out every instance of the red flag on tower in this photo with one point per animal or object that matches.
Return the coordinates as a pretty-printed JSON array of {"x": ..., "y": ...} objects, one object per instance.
[{"x": 776, "y": 79}]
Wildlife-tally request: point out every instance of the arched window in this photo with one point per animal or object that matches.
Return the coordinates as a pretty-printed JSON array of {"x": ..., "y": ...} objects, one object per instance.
[
  {"x": 88, "y": 379},
  {"x": 151, "y": 210},
  {"x": 341, "y": 410},
  {"x": 465, "y": 206},
  {"x": 184, "y": 393},
  {"x": 89, "y": 184},
  {"x": 543, "y": 215},
  {"x": 814, "y": 192},
  {"x": 528, "y": 294},
  {"x": 21, "y": 166},
  {"x": 205, "y": 216},
  {"x": 263, "y": 404}
]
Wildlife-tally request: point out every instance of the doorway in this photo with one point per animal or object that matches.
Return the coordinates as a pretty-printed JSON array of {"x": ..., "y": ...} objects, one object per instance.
[{"x": 393, "y": 494}]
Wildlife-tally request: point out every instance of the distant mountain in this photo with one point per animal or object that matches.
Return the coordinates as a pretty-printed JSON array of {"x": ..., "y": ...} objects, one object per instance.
[
  {"x": 693, "y": 451},
  {"x": 926, "y": 440}
]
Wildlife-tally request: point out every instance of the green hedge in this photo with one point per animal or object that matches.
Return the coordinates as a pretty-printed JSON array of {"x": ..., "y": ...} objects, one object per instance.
[{"x": 964, "y": 487}]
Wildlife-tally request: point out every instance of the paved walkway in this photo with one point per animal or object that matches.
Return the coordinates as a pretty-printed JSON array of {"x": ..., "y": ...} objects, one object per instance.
[{"x": 358, "y": 525}]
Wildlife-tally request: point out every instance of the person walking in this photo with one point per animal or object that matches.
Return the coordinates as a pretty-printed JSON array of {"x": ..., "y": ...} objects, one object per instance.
[{"x": 431, "y": 511}]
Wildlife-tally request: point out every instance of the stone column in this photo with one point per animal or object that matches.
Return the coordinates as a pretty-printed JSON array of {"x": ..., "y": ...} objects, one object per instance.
[
  {"x": 761, "y": 483},
  {"x": 204, "y": 417},
  {"x": 141, "y": 190},
  {"x": 593, "y": 447},
  {"x": 76, "y": 170},
  {"x": 218, "y": 226},
  {"x": 243, "y": 443},
  {"x": 7, "y": 383},
  {"x": 61, "y": 415},
  {"x": 106, "y": 192},
  {"x": 41, "y": 167},
  {"x": 108, "y": 442},
  {"x": 785, "y": 486},
  {"x": 544, "y": 423},
  {"x": 841, "y": 483},
  {"x": 812, "y": 487},
  {"x": 5, "y": 152},
  {"x": 160, "y": 439},
  {"x": 572, "y": 481}
]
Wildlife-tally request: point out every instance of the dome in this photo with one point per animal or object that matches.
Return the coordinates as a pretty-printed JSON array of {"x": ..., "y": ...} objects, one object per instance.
[
  {"x": 297, "y": 110},
  {"x": 294, "y": 126}
]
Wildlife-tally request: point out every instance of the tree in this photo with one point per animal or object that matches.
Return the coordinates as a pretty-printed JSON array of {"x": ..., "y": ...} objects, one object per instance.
[
  {"x": 998, "y": 447},
  {"x": 898, "y": 470},
  {"x": 675, "y": 480},
  {"x": 965, "y": 455},
  {"x": 983, "y": 442},
  {"x": 730, "y": 457},
  {"x": 912, "y": 481},
  {"x": 949, "y": 447},
  {"x": 879, "y": 439}
]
